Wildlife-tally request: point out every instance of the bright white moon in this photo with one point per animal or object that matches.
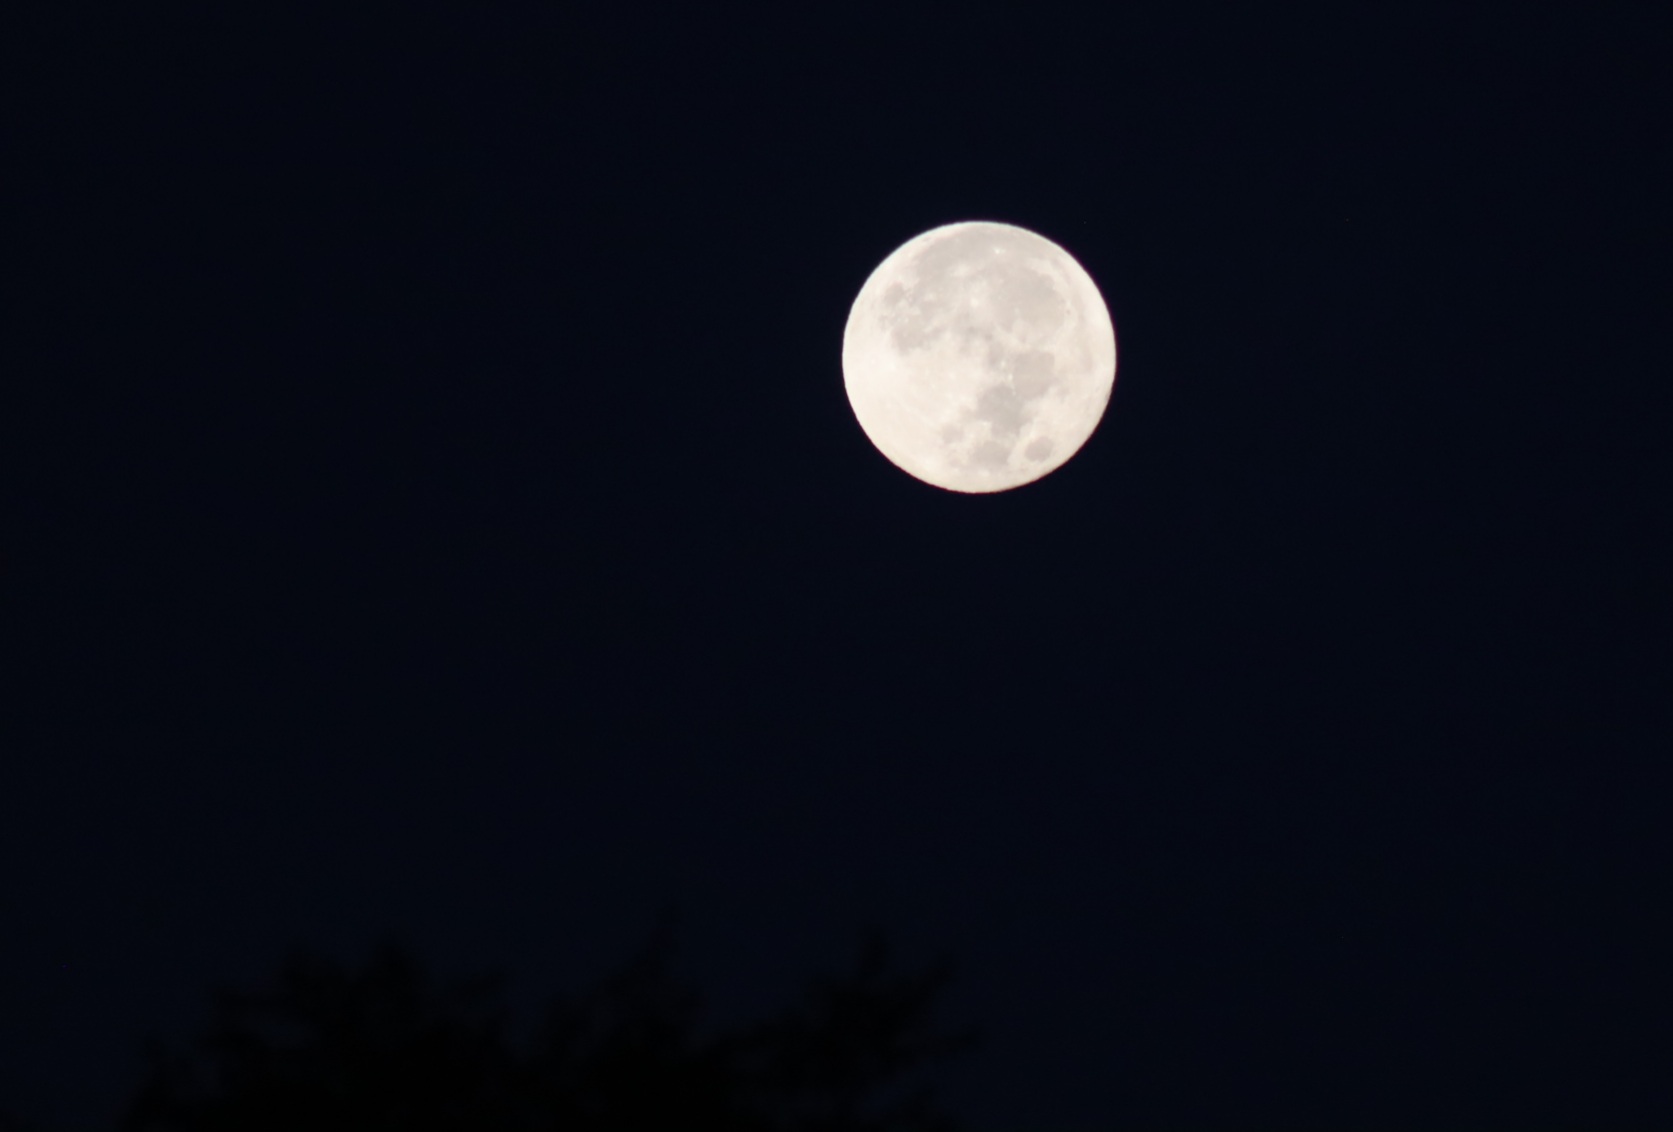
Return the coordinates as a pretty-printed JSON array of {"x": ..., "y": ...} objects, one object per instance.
[{"x": 979, "y": 356}]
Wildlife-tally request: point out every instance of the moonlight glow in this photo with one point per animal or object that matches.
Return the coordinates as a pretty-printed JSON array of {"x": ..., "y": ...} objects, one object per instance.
[{"x": 979, "y": 356}]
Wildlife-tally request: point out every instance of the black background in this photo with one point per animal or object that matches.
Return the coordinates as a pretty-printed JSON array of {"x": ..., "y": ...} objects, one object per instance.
[{"x": 434, "y": 512}]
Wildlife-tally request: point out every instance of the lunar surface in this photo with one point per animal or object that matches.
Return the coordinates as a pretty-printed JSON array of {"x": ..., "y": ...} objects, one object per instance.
[{"x": 979, "y": 356}]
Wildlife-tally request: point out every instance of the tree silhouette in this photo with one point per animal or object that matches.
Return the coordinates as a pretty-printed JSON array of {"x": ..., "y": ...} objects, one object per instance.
[{"x": 386, "y": 1049}]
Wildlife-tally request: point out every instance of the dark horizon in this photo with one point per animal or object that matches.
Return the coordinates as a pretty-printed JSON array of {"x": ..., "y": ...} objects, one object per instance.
[{"x": 434, "y": 513}]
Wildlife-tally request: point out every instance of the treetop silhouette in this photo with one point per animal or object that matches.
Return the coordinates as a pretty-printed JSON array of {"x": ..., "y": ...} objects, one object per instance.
[{"x": 385, "y": 1048}]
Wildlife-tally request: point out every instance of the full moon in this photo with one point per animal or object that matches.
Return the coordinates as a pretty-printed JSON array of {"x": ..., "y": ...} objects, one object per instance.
[{"x": 979, "y": 356}]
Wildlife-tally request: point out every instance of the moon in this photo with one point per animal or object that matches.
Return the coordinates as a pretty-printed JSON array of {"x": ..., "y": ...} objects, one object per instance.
[{"x": 979, "y": 356}]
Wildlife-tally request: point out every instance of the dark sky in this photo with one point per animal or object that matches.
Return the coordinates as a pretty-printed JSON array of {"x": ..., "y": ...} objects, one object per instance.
[{"x": 433, "y": 512}]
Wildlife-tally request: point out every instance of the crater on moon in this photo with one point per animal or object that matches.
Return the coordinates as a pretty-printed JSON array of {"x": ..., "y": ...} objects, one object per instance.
[{"x": 979, "y": 356}]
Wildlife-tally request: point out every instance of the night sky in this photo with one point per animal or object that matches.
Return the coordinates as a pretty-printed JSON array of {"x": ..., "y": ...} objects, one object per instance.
[{"x": 433, "y": 513}]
